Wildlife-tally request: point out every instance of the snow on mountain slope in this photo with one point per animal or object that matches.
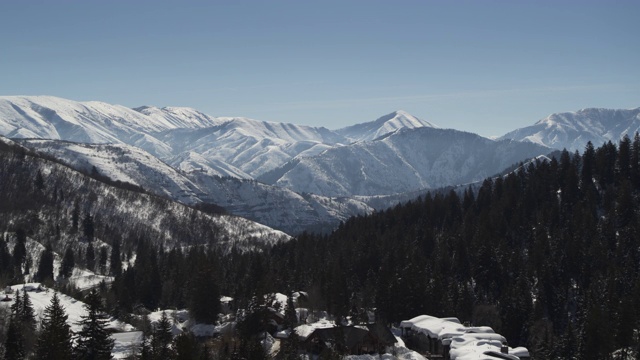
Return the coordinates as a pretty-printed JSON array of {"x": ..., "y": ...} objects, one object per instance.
[
  {"x": 231, "y": 146},
  {"x": 252, "y": 146},
  {"x": 384, "y": 125},
  {"x": 403, "y": 161},
  {"x": 124, "y": 163},
  {"x": 572, "y": 130},
  {"x": 57, "y": 118},
  {"x": 179, "y": 117},
  {"x": 40, "y": 297},
  {"x": 278, "y": 207},
  {"x": 132, "y": 214},
  {"x": 273, "y": 206},
  {"x": 190, "y": 161}
]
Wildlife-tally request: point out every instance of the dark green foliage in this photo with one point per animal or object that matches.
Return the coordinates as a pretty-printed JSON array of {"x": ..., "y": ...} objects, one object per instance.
[
  {"x": 22, "y": 325},
  {"x": 20, "y": 250},
  {"x": 290, "y": 317},
  {"x": 14, "y": 344},
  {"x": 75, "y": 216},
  {"x": 162, "y": 338},
  {"x": 88, "y": 227},
  {"x": 186, "y": 347},
  {"x": 45, "y": 266},
  {"x": 102, "y": 262},
  {"x": 204, "y": 304},
  {"x": 27, "y": 314},
  {"x": 93, "y": 341},
  {"x": 90, "y": 257},
  {"x": 68, "y": 263},
  {"x": 54, "y": 340},
  {"x": 564, "y": 231},
  {"x": 115, "y": 265}
]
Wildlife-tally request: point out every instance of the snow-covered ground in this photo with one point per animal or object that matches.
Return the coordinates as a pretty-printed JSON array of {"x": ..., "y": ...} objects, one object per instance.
[{"x": 40, "y": 296}]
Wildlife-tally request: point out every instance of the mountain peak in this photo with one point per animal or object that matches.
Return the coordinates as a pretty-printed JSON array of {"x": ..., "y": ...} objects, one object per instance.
[
  {"x": 572, "y": 130},
  {"x": 386, "y": 124}
]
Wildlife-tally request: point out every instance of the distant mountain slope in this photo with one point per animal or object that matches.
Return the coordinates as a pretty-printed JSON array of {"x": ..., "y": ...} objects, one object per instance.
[
  {"x": 40, "y": 196},
  {"x": 273, "y": 206},
  {"x": 386, "y": 124},
  {"x": 403, "y": 161},
  {"x": 228, "y": 146},
  {"x": 251, "y": 146},
  {"x": 572, "y": 130}
]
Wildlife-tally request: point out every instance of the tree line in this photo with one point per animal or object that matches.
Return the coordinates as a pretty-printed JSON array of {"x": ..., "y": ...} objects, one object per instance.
[{"x": 548, "y": 255}]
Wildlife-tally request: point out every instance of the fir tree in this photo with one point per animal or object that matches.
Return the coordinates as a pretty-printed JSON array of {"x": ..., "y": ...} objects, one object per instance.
[
  {"x": 186, "y": 346},
  {"x": 54, "y": 341},
  {"x": 27, "y": 314},
  {"x": 115, "y": 266},
  {"x": 75, "y": 217},
  {"x": 162, "y": 337},
  {"x": 93, "y": 341},
  {"x": 205, "y": 296},
  {"x": 16, "y": 307},
  {"x": 14, "y": 344},
  {"x": 45, "y": 266},
  {"x": 68, "y": 263},
  {"x": 290, "y": 318},
  {"x": 88, "y": 227},
  {"x": 20, "y": 250},
  {"x": 90, "y": 257}
]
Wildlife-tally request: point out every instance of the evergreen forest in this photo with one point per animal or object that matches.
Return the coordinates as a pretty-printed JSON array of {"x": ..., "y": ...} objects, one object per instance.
[{"x": 548, "y": 255}]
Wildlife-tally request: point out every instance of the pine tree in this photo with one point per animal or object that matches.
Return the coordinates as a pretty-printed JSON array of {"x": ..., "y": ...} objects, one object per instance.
[
  {"x": 186, "y": 346},
  {"x": 45, "y": 267},
  {"x": 19, "y": 340},
  {"x": 75, "y": 217},
  {"x": 14, "y": 344},
  {"x": 20, "y": 250},
  {"x": 27, "y": 314},
  {"x": 162, "y": 337},
  {"x": 93, "y": 341},
  {"x": 204, "y": 303},
  {"x": 16, "y": 307},
  {"x": 90, "y": 257},
  {"x": 102, "y": 263},
  {"x": 290, "y": 317},
  {"x": 88, "y": 227},
  {"x": 115, "y": 266},
  {"x": 54, "y": 341},
  {"x": 68, "y": 263}
]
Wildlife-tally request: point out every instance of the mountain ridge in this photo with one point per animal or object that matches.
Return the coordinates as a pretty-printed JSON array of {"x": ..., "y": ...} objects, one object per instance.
[{"x": 572, "y": 130}]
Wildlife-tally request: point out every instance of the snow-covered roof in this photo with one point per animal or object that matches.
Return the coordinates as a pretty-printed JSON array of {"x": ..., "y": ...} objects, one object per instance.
[
  {"x": 304, "y": 331},
  {"x": 434, "y": 327},
  {"x": 477, "y": 338},
  {"x": 486, "y": 350},
  {"x": 467, "y": 343}
]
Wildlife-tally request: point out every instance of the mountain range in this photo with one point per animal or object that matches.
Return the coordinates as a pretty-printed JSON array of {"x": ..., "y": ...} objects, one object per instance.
[
  {"x": 573, "y": 130},
  {"x": 286, "y": 176}
]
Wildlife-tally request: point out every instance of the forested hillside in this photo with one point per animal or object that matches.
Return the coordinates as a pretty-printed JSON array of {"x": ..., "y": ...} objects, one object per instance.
[
  {"x": 547, "y": 255},
  {"x": 58, "y": 207}
]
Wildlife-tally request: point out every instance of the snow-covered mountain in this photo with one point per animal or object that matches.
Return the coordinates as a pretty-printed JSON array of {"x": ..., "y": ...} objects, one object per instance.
[
  {"x": 228, "y": 146},
  {"x": 384, "y": 125},
  {"x": 273, "y": 206},
  {"x": 61, "y": 189},
  {"x": 253, "y": 147},
  {"x": 572, "y": 130},
  {"x": 186, "y": 155},
  {"x": 402, "y": 161}
]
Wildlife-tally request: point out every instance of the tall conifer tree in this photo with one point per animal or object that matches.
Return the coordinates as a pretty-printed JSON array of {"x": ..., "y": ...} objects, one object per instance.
[
  {"x": 93, "y": 341},
  {"x": 54, "y": 341}
]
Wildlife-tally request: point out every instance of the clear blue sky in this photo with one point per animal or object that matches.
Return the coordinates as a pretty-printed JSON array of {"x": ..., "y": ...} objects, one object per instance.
[{"x": 481, "y": 66}]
